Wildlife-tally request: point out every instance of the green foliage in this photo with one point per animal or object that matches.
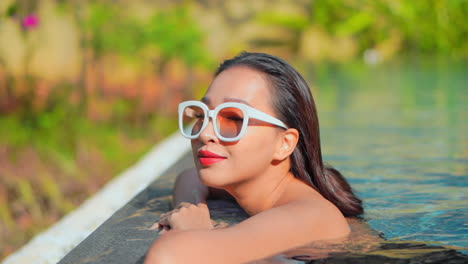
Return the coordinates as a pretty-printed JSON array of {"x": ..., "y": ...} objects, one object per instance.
[
  {"x": 5, "y": 214},
  {"x": 356, "y": 23},
  {"x": 291, "y": 22},
  {"x": 177, "y": 35},
  {"x": 111, "y": 31},
  {"x": 12, "y": 10},
  {"x": 426, "y": 27},
  {"x": 436, "y": 25},
  {"x": 172, "y": 31},
  {"x": 165, "y": 124}
]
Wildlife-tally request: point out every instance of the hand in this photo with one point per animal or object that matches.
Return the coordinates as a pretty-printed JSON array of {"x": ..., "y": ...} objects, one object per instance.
[{"x": 186, "y": 216}]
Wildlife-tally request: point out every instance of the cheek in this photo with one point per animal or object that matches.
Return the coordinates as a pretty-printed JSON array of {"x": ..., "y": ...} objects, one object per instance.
[
  {"x": 254, "y": 154},
  {"x": 247, "y": 158}
]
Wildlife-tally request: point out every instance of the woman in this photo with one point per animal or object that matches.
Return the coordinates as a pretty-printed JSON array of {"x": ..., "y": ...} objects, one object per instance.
[{"x": 255, "y": 135}]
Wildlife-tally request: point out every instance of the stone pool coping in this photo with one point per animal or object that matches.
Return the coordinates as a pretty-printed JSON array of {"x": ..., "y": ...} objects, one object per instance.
[{"x": 53, "y": 244}]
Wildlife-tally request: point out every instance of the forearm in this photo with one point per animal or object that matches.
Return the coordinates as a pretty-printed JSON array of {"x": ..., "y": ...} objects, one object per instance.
[
  {"x": 184, "y": 247},
  {"x": 188, "y": 188}
]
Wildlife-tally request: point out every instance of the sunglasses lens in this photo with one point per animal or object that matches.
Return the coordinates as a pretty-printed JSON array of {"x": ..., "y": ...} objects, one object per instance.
[
  {"x": 229, "y": 121},
  {"x": 192, "y": 119}
]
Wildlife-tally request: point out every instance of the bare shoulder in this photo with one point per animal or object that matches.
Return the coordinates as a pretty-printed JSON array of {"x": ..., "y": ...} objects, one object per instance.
[
  {"x": 315, "y": 204},
  {"x": 326, "y": 217},
  {"x": 316, "y": 218},
  {"x": 314, "y": 213}
]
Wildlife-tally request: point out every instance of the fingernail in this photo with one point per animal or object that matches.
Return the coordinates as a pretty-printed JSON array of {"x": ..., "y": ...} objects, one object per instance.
[{"x": 155, "y": 226}]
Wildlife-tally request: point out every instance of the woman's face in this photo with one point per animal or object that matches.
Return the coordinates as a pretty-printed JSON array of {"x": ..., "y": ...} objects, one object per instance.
[{"x": 252, "y": 154}]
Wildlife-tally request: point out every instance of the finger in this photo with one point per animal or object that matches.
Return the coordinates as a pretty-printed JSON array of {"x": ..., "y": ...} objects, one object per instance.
[
  {"x": 167, "y": 214},
  {"x": 155, "y": 226},
  {"x": 163, "y": 221},
  {"x": 161, "y": 216},
  {"x": 164, "y": 228}
]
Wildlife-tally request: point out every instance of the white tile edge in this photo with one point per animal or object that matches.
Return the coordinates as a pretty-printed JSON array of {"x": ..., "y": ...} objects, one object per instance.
[{"x": 54, "y": 243}]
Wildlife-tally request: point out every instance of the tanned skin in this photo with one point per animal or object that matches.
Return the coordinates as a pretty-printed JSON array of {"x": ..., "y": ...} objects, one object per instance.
[{"x": 284, "y": 211}]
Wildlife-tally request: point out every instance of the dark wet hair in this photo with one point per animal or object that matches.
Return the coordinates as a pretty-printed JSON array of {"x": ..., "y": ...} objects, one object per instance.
[{"x": 295, "y": 106}]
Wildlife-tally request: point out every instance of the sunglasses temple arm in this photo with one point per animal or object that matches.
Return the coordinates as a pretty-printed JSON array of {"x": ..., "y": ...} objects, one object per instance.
[{"x": 266, "y": 118}]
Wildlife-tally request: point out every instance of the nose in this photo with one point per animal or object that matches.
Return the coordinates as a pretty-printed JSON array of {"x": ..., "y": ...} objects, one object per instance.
[{"x": 208, "y": 134}]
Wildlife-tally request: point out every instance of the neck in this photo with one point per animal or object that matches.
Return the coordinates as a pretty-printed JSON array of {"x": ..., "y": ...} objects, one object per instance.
[{"x": 262, "y": 192}]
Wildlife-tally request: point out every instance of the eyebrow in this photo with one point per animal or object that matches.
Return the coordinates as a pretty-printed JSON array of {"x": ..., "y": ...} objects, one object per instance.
[{"x": 207, "y": 101}]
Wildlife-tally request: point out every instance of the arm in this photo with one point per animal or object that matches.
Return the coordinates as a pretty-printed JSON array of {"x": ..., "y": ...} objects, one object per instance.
[
  {"x": 262, "y": 235},
  {"x": 188, "y": 188}
]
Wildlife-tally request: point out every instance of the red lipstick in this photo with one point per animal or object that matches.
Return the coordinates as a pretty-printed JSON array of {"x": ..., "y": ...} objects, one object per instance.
[{"x": 208, "y": 158}]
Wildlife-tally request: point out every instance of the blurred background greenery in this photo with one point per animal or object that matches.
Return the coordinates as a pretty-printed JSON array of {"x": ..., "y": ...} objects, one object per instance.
[{"x": 87, "y": 87}]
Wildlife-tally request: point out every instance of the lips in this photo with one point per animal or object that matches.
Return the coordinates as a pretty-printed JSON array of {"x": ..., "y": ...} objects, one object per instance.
[{"x": 209, "y": 158}]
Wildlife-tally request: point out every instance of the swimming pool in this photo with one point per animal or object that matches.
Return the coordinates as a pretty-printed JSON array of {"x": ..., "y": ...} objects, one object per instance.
[
  {"x": 398, "y": 132},
  {"x": 400, "y": 142}
]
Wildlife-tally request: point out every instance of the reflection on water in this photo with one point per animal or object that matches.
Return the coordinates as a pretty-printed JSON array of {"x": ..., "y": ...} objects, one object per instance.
[
  {"x": 399, "y": 133},
  {"x": 362, "y": 239},
  {"x": 363, "y": 245}
]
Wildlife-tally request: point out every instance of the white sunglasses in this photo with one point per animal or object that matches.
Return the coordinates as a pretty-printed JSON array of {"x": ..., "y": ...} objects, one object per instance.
[{"x": 231, "y": 119}]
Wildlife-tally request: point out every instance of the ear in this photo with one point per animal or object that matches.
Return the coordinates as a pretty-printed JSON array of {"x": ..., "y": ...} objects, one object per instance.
[{"x": 286, "y": 145}]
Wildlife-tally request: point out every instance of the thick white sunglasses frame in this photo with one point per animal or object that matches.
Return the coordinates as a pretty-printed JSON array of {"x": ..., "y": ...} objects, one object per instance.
[{"x": 249, "y": 112}]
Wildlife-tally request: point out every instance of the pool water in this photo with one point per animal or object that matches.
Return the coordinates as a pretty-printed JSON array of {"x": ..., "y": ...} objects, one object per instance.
[
  {"x": 399, "y": 133},
  {"x": 396, "y": 131}
]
